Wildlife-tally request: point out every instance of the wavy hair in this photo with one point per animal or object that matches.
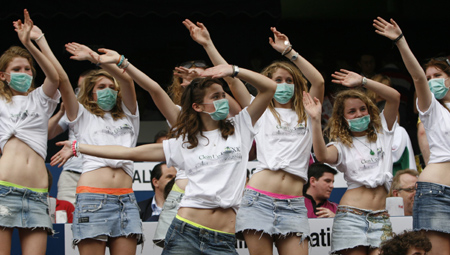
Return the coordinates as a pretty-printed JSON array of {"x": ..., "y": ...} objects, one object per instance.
[
  {"x": 86, "y": 98},
  {"x": 175, "y": 90},
  {"x": 300, "y": 85},
  {"x": 5, "y": 60},
  {"x": 189, "y": 124},
  {"x": 337, "y": 126}
]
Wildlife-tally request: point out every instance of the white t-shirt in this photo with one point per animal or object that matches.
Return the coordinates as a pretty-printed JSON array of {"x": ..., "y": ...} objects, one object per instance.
[
  {"x": 401, "y": 142},
  {"x": 26, "y": 117},
  {"x": 92, "y": 129},
  {"x": 436, "y": 121},
  {"x": 74, "y": 163},
  {"x": 283, "y": 147},
  {"x": 181, "y": 174},
  {"x": 360, "y": 168},
  {"x": 216, "y": 168}
]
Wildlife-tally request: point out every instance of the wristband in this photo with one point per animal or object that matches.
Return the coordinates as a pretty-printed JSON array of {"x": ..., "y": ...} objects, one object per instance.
[
  {"x": 120, "y": 60},
  {"x": 235, "y": 71},
  {"x": 39, "y": 38},
  {"x": 398, "y": 38},
  {"x": 74, "y": 150}
]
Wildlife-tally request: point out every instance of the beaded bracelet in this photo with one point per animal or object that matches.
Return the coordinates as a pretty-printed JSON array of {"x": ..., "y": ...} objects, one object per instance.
[{"x": 75, "y": 149}]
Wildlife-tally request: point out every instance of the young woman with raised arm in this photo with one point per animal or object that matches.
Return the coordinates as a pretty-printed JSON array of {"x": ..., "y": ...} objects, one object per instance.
[
  {"x": 432, "y": 200},
  {"x": 24, "y": 114},
  {"x": 213, "y": 151},
  {"x": 361, "y": 141}
]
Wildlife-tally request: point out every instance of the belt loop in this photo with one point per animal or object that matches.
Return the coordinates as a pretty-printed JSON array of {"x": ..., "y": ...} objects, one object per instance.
[
  {"x": 216, "y": 237},
  {"x": 183, "y": 224}
]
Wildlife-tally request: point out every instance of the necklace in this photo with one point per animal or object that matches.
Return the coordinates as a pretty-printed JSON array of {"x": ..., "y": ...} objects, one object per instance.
[{"x": 371, "y": 151}]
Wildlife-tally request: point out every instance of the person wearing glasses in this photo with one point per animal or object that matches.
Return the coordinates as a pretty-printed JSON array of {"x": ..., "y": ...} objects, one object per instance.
[
  {"x": 404, "y": 186},
  {"x": 431, "y": 209}
]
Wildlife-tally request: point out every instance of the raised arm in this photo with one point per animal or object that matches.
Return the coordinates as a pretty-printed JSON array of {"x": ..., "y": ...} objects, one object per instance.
[
  {"x": 392, "y": 31},
  {"x": 265, "y": 86},
  {"x": 200, "y": 34},
  {"x": 67, "y": 94},
  {"x": 147, "y": 152},
  {"x": 23, "y": 30},
  {"x": 352, "y": 79},
  {"x": 159, "y": 96},
  {"x": 53, "y": 128},
  {"x": 313, "y": 108},
  {"x": 280, "y": 42},
  {"x": 82, "y": 52}
]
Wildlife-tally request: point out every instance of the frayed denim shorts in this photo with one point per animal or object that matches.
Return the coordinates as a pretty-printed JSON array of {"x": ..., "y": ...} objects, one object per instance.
[
  {"x": 354, "y": 227},
  {"x": 431, "y": 209},
  {"x": 166, "y": 217},
  {"x": 272, "y": 216},
  {"x": 100, "y": 216},
  {"x": 23, "y": 208},
  {"x": 184, "y": 238}
]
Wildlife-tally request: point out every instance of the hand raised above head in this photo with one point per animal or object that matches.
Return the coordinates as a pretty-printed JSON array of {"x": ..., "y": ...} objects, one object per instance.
[
  {"x": 186, "y": 74},
  {"x": 23, "y": 29},
  {"x": 347, "y": 78},
  {"x": 109, "y": 56},
  {"x": 218, "y": 71},
  {"x": 80, "y": 52},
  {"x": 280, "y": 42},
  {"x": 198, "y": 32},
  {"x": 313, "y": 107},
  {"x": 388, "y": 29}
]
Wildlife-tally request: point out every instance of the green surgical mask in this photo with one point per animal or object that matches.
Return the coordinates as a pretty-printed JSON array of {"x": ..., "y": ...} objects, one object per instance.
[
  {"x": 284, "y": 93},
  {"x": 359, "y": 124},
  {"x": 20, "y": 82},
  {"x": 106, "y": 99},
  {"x": 438, "y": 88},
  {"x": 222, "y": 109}
]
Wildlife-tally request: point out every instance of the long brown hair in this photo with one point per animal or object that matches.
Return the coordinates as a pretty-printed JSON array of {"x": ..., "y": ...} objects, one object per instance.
[
  {"x": 175, "y": 90},
  {"x": 5, "y": 59},
  {"x": 86, "y": 98},
  {"x": 189, "y": 124},
  {"x": 299, "y": 82},
  {"x": 337, "y": 126}
]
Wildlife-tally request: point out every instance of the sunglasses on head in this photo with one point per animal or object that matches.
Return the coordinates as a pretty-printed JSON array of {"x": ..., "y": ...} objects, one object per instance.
[
  {"x": 194, "y": 63},
  {"x": 445, "y": 59}
]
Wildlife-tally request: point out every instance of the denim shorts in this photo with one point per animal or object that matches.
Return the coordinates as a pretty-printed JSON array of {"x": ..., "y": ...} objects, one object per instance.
[
  {"x": 100, "y": 216},
  {"x": 166, "y": 217},
  {"x": 354, "y": 227},
  {"x": 23, "y": 208},
  {"x": 432, "y": 207},
  {"x": 184, "y": 238},
  {"x": 272, "y": 216}
]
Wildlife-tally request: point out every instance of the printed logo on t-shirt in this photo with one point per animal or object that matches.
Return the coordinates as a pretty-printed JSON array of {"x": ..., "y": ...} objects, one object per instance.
[
  {"x": 372, "y": 161},
  {"x": 228, "y": 154},
  {"x": 284, "y": 130},
  {"x": 23, "y": 115},
  {"x": 118, "y": 131}
]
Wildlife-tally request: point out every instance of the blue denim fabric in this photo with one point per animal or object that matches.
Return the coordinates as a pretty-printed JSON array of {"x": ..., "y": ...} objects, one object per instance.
[
  {"x": 431, "y": 209},
  {"x": 272, "y": 216},
  {"x": 354, "y": 227},
  {"x": 166, "y": 217},
  {"x": 102, "y": 215},
  {"x": 183, "y": 238},
  {"x": 23, "y": 208}
]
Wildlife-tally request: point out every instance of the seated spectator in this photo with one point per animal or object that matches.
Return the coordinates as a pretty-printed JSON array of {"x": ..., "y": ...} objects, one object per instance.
[
  {"x": 161, "y": 175},
  {"x": 404, "y": 185},
  {"x": 406, "y": 243},
  {"x": 61, "y": 205},
  {"x": 318, "y": 190}
]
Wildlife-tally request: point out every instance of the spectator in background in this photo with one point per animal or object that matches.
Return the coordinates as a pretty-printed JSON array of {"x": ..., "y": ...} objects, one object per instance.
[
  {"x": 61, "y": 205},
  {"x": 404, "y": 185},
  {"x": 407, "y": 243},
  {"x": 151, "y": 208},
  {"x": 161, "y": 136},
  {"x": 367, "y": 64},
  {"x": 318, "y": 190}
]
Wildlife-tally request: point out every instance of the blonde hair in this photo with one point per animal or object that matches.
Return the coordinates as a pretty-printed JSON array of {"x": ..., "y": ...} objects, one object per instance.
[
  {"x": 337, "y": 126},
  {"x": 86, "y": 98},
  {"x": 5, "y": 60},
  {"x": 300, "y": 86}
]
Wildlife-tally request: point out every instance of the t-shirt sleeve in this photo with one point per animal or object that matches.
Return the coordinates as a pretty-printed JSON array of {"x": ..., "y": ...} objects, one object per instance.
[
  {"x": 340, "y": 154},
  {"x": 49, "y": 103},
  {"x": 172, "y": 152}
]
